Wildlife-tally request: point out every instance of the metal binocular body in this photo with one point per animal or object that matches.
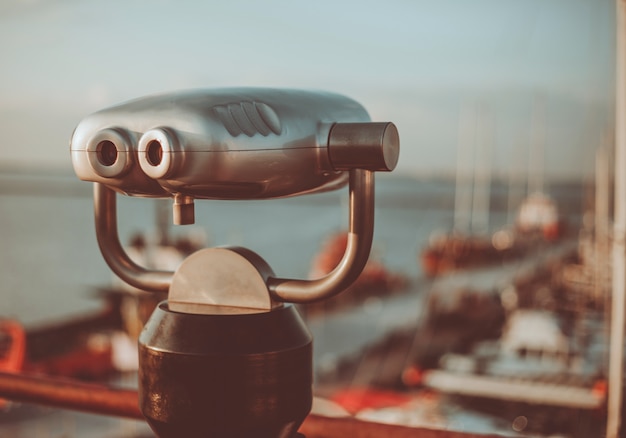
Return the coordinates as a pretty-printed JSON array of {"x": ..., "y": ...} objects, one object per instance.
[
  {"x": 226, "y": 354},
  {"x": 230, "y": 144}
]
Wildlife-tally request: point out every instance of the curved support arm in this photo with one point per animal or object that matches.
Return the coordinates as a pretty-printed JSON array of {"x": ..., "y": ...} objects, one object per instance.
[
  {"x": 360, "y": 236},
  {"x": 105, "y": 210}
]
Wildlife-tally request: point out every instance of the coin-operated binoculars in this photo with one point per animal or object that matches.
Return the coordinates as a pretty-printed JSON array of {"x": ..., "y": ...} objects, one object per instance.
[{"x": 226, "y": 354}]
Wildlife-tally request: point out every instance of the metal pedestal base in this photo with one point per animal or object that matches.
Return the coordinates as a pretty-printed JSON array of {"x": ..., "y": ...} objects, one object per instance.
[{"x": 225, "y": 375}]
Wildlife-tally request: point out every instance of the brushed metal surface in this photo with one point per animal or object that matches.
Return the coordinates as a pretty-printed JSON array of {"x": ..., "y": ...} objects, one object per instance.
[
  {"x": 225, "y": 375},
  {"x": 237, "y": 143}
]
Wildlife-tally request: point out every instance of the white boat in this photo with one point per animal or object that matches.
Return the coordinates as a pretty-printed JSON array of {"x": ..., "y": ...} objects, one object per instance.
[{"x": 533, "y": 362}]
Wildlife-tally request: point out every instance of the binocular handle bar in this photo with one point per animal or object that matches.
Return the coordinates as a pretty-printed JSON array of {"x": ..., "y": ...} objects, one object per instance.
[
  {"x": 105, "y": 211},
  {"x": 360, "y": 236}
]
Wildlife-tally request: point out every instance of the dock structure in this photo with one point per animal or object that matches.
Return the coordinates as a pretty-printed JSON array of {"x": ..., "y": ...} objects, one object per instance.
[
  {"x": 104, "y": 400},
  {"x": 518, "y": 390}
]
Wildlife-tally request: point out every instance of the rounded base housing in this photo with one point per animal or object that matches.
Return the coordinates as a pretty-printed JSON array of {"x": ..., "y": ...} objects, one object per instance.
[{"x": 225, "y": 375}]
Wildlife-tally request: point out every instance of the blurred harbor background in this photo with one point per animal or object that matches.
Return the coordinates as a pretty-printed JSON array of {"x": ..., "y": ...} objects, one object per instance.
[
  {"x": 494, "y": 101},
  {"x": 54, "y": 273},
  {"x": 51, "y": 263}
]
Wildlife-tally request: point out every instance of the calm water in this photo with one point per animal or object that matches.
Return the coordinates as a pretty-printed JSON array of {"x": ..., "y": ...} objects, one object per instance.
[{"x": 50, "y": 264}]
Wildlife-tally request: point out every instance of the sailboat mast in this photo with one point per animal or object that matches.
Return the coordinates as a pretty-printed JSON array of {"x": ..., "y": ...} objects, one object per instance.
[
  {"x": 618, "y": 300},
  {"x": 536, "y": 150},
  {"x": 482, "y": 172},
  {"x": 601, "y": 224},
  {"x": 464, "y": 176}
]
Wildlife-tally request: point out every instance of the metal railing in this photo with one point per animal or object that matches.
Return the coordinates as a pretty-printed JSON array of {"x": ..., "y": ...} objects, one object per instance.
[{"x": 106, "y": 400}]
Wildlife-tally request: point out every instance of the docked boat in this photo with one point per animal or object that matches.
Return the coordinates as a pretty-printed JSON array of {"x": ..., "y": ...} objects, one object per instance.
[
  {"x": 534, "y": 367},
  {"x": 538, "y": 214},
  {"x": 84, "y": 347},
  {"x": 537, "y": 225},
  {"x": 161, "y": 251},
  {"x": 12, "y": 346},
  {"x": 453, "y": 252},
  {"x": 374, "y": 281}
]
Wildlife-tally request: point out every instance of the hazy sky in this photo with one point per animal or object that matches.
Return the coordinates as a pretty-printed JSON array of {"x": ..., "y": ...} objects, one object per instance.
[{"x": 506, "y": 71}]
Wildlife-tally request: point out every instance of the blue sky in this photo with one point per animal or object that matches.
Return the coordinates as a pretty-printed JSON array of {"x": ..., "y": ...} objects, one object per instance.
[{"x": 526, "y": 66}]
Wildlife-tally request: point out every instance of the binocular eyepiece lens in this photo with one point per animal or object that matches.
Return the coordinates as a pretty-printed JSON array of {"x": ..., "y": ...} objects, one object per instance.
[
  {"x": 158, "y": 149},
  {"x": 154, "y": 152},
  {"x": 107, "y": 153}
]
